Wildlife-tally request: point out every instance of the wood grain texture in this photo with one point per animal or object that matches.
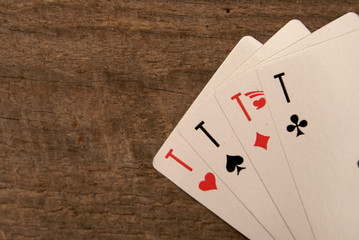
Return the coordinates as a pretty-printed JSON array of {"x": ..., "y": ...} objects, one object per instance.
[{"x": 89, "y": 91}]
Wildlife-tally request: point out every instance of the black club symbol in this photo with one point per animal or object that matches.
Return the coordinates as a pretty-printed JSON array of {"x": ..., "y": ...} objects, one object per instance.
[{"x": 294, "y": 118}]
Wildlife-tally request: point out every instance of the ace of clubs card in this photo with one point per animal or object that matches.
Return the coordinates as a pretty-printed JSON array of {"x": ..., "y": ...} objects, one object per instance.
[{"x": 312, "y": 98}]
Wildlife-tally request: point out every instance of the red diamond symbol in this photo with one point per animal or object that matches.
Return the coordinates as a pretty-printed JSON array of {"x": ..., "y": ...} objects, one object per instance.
[{"x": 261, "y": 141}]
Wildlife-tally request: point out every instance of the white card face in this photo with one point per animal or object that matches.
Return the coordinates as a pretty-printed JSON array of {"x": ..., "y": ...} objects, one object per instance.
[
  {"x": 179, "y": 163},
  {"x": 206, "y": 129},
  {"x": 312, "y": 97},
  {"x": 244, "y": 105}
]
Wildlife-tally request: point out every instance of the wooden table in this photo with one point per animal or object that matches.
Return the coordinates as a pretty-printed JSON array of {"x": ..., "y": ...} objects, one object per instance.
[{"x": 89, "y": 91}]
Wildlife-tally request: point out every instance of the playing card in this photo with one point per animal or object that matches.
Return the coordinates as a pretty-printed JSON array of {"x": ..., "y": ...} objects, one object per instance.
[
  {"x": 179, "y": 163},
  {"x": 312, "y": 97},
  {"x": 224, "y": 160},
  {"x": 232, "y": 212},
  {"x": 244, "y": 105}
]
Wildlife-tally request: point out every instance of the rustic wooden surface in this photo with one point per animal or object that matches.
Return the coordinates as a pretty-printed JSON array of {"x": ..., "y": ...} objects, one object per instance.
[{"x": 89, "y": 90}]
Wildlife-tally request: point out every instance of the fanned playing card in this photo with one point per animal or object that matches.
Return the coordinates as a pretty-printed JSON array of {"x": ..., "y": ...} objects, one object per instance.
[{"x": 312, "y": 97}]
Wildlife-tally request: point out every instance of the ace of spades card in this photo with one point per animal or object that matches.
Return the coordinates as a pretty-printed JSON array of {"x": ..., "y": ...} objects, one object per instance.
[{"x": 312, "y": 98}]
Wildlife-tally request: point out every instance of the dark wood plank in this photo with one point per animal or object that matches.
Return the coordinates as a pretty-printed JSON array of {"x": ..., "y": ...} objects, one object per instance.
[{"x": 89, "y": 90}]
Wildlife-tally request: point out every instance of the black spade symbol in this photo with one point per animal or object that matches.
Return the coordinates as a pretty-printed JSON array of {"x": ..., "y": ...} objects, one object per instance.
[{"x": 233, "y": 162}]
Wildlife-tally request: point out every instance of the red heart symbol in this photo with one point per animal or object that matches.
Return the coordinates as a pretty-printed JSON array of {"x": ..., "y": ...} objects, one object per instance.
[
  {"x": 209, "y": 182},
  {"x": 259, "y": 103}
]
